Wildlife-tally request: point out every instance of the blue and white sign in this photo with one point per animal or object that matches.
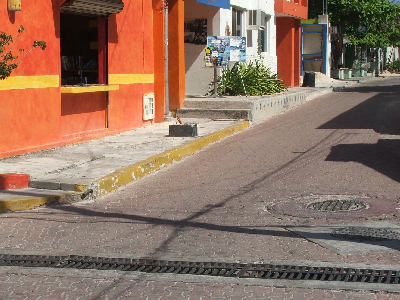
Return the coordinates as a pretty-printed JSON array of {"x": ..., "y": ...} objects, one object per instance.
[
  {"x": 223, "y": 49},
  {"x": 218, "y": 3}
]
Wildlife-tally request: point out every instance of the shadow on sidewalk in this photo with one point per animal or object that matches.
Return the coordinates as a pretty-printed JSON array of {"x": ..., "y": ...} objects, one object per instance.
[
  {"x": 383, "y": 156},
  {"x": 380, "y": 113}
]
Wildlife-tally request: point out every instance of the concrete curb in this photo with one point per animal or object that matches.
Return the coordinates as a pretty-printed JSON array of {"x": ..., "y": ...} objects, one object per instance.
[
  {"x": 24, "y": 203},
  {"x": 111, "y": 182},
  {"x": 115, "y": 180}
]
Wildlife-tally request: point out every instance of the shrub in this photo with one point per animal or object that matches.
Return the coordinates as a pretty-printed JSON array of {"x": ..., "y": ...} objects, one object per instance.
[
  {"x": 394, "y": 66},
  {"x": 251, "y": 79}
]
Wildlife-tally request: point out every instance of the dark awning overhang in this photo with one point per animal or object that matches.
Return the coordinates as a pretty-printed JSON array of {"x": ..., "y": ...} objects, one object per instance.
[
  {"x": 98, "y": 8},
  {"x": 217, "y": 3}
]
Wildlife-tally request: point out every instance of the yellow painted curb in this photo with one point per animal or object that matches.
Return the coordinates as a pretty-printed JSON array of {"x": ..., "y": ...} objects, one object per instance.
[
  {"x": 24, "y": 203},
  {"x": 113, "y": 181}
]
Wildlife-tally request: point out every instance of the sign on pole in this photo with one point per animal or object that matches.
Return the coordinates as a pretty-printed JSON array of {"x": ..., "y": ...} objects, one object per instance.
[{"x": 223, "y": 49}]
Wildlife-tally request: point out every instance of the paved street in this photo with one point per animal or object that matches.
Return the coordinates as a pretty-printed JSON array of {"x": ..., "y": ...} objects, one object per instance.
[{"x": 241, "y": 199}]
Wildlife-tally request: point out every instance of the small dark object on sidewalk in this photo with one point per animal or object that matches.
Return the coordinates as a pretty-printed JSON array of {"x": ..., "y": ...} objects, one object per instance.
[
  {"x": 309, "y": 79},
  {"x": 183, "y": 130}
]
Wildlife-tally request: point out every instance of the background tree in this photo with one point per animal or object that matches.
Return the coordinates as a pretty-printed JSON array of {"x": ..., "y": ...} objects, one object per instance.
[
  {"x": 380, "y": 20},
  {"x": 8, "y": 60}
]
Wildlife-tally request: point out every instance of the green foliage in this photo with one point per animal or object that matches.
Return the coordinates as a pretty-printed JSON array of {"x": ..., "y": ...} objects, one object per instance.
[
  {"x": 315, "y": 8},
  {"x": 9, "y": 61},
  {"x": 252, "y": 79},
  {"x": 394, "y": 67},
  {"x": 380, "y": 16}
]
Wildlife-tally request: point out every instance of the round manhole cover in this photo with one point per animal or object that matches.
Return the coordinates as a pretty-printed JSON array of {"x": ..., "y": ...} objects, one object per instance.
[
  {"x": 365, "y": 234},
  {"x": 333, "y": 206},
  {"x": 337, "y": 205}
]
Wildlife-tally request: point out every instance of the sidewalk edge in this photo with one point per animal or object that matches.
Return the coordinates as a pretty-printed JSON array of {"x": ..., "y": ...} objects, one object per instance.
[{"x": 115, "y": 180}]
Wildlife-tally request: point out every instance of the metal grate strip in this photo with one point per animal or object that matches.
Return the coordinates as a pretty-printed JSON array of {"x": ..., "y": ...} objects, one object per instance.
[{"x": 261, "y": 271}]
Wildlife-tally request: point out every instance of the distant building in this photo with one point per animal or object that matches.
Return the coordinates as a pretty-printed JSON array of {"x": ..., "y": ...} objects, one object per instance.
[{"x": 272, "y": 30}]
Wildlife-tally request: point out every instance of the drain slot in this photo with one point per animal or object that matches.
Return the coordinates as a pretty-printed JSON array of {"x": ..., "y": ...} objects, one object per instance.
[
  {"x": 366, "y": 234},
  {"x": 261, "y": 271},
  {"x": 337, "y": 205}
]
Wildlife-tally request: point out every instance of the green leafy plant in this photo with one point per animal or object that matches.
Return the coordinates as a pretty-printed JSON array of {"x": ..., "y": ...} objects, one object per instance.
[
  {"x": 250, "y": 78},
  {"x": 394, "y": 67},
  {"x": 9, "y": 61},
  {"x": 380, "y": 20}
]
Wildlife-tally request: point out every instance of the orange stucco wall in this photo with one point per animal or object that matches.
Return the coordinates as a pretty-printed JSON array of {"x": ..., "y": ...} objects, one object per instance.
[
  {"x": 176, "y": 51},
  {"x": 41, "y": 117},
  {"x": 82, "y": 113},
  {"x": 288, "y": 49},
  {"x": 159, "y": 59},
  {"x": 30, "y": 118},
  {"x": 130, "y": 52}
]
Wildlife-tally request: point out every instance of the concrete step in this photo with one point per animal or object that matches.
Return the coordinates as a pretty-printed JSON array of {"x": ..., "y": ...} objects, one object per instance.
[
  {"x": 215, "y": 114},
  {"x": 219, "y": 103}
]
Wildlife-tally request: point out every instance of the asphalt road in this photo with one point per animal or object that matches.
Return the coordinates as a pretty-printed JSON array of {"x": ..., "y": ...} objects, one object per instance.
[{"x": 238, "y": 200}]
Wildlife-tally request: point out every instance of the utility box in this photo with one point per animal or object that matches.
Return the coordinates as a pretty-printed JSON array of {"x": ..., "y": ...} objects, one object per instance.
[
  {"x": 183, "y": 130},
  {"x": 309, "y": 79}
]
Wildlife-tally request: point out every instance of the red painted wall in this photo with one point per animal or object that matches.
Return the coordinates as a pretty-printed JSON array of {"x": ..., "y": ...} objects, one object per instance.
[
  {"x": 293, "y": 8},
  {"x": 297, "y": 52},
  {"x": 288, "y": 41}
]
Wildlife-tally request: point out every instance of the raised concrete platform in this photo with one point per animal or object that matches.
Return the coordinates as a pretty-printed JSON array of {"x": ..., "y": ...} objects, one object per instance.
[{"x": 254, "y": 109}]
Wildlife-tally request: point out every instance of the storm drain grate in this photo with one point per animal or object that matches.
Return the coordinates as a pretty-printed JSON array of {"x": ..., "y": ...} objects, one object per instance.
[
  {"x": 366, "y": 234},
  {"x": 337, "y": 205},
  {"x": 261, "y": 271}
]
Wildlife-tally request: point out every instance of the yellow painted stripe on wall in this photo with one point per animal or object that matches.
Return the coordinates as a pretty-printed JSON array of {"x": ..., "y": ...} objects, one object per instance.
[
  {"x": 30, "y": 82},
  {"x": 88, "y": 89},
  {"x": 130, "y": 78}
]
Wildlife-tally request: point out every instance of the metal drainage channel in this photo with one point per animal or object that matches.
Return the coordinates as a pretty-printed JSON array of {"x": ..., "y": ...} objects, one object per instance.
[{"x": 260, "y": 271}]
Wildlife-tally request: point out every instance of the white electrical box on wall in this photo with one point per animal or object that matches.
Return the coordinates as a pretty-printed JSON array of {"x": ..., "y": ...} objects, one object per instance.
[{"x": 148, "y": 106}]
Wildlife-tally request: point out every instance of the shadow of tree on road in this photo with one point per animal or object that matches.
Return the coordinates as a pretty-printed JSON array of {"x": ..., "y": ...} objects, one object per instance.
[
  {"x": 383, "y": 157},
  {"x": 381, "y": 113}
]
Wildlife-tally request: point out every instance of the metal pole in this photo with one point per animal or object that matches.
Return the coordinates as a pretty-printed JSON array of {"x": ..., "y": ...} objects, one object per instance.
[
  {"x": 215, "y": 83},
  {"x": 324, "y": 7},
  {"x": 166, "y": 117}
]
